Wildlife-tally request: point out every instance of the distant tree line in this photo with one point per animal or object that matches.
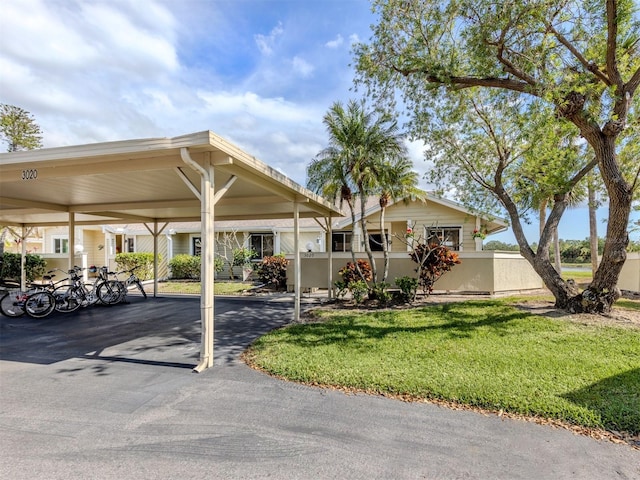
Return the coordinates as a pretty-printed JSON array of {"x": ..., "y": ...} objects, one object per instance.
[{"x": 571, "y": 251}]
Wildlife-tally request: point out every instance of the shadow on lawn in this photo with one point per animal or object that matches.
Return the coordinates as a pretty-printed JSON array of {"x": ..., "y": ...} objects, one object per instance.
[
  {"x": 615, "y": 399},
  {"x": 448, "y": 320}
]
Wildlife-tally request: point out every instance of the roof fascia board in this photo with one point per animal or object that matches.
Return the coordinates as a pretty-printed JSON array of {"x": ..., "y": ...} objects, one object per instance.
[{"x": 21, "y": 203}]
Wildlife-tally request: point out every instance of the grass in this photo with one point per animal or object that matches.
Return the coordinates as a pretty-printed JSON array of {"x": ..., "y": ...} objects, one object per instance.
[
  {"x": 485, "y": 354},
  {"x": 191, "y": 287}
]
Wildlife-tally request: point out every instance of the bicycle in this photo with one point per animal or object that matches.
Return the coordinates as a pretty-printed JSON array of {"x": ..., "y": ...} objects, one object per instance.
[
  {"x": 37, "y": 302},
  {"x": 70, "y": 298},
  {"x": 132, "y": 280}
]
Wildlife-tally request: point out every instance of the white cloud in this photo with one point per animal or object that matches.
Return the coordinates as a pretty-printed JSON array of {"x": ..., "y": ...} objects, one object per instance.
[
  {"x": 336, "y": 42},
  {"x": 354, "y": 38},
  {"x": 266, "y": 43},
  {"x": 302, "y": 67}
]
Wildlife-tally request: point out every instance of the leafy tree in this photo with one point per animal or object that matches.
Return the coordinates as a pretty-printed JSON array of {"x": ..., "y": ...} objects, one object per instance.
[
  {"x": 498, "y": 245},
  {"x": 19, "y": 129},
  {"x": 579, "y": 57}
]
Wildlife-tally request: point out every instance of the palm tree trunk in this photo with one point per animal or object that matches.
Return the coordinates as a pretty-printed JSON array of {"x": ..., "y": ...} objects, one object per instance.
[
  {"x": 385, "y": 245},
  {"x": 365, "y": 235}
]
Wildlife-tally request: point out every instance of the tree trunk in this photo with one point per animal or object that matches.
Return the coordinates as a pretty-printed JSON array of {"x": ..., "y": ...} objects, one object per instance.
[
  {"x": 556, "y": 252},
  {"x": 385, "y": 245},
  {"x": 365, "y": 237},
  {"x": 593, "y": 227},
  {"x": 353, "y": 240},
  {"x": 562, "y": 291},
  {"x": 603, "y": 291}
]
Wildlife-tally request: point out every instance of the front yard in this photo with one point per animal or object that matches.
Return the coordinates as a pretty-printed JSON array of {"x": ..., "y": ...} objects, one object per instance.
[{"x": 484, "y": 354}]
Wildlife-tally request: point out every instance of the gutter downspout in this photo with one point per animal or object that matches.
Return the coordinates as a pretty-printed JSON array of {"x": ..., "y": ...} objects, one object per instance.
[{"x": 206, "y": 218}]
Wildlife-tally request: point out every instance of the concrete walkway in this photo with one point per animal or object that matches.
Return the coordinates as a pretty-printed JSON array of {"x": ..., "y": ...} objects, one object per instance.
[{"x": 108, "y": 393}]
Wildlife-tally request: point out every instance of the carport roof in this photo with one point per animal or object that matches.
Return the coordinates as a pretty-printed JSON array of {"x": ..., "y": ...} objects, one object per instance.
[{"x": 145, "y": 180}]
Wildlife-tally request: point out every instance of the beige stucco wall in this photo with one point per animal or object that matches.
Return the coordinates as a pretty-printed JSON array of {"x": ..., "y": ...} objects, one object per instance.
[
  {"x": 478, "y": 272},
  {"x": 630, "y": 274}
]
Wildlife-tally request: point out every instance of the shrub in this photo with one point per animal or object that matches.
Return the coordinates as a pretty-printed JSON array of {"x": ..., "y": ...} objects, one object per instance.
[
  {"x": 434, "y": 261},
  {"x": 242, "y": 257},
  {"x": 185, "y": 266},
  {"x": 218, "y": 264},
  {"x": 359, "y": 290},
  {"x": 408, "y": 288},
  {"x": 35, "y": 266},
  {"x": 273, "y": 271},
  {"x": 350, "y": 273},
  {"x": 379, "y": 292},
  {"x": 128, "y": 261},
  {"x": 341, "y": 288}
]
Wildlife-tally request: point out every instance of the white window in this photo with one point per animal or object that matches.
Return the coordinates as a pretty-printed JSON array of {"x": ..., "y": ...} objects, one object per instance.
[
  {"x": 130, "y": 244},
  {"x": 341, "y": 242},
  {"x": 60, "y": 244},
  {"x": 262, "y": 243},
  {"x": 447, "y": 236},
  {"x": 196, "y": 245}
]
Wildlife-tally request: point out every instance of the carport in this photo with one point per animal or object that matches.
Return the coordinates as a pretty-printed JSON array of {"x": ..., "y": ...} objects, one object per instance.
[{"x": 194, "y": 177}]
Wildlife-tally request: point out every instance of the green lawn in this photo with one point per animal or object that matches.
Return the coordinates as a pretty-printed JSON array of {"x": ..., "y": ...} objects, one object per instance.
[
  {"x": 485, "y": 354},
  {"x": 219, "y": 288}
]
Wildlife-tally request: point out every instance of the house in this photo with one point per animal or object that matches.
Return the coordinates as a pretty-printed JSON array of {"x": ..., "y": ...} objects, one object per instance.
[{"x": 322, "y": 243}]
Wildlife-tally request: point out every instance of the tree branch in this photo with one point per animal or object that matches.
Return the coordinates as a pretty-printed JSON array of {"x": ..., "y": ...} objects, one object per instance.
[
  {"x": 633, "y": 83},
  {"x": 590, "y": 66},
  {"x": 612, "y": 35},
  {"x": 466, "y": 82}
]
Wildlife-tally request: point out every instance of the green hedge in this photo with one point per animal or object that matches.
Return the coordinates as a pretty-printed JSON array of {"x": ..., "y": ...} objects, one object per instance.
[
  {"x": 185, "y": 266},
  {"x": 127, "y": 261},
  {"x": 35, "y": 266}
]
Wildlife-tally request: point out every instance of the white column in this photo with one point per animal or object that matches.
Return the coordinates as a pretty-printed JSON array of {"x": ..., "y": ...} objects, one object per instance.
[
  {"x": 23, "y": 258},
  {"x": 329, "y": 250},
  {"x": 296, "y": 247},
  {"x": 207, "y": 273},
  {"x": 72, "y": 239}
]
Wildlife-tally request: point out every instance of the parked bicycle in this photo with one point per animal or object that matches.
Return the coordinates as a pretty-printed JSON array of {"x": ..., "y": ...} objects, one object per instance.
[
  {"x": 132, "y": 281},
  {"x": 70, "y": 298},
  {"x": 37, "y": 302}
]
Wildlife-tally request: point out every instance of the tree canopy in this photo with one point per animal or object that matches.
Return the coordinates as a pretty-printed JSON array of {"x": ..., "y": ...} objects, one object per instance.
[
  {"x": 19, "y": 129},
  {"x": 573, "y": 62}
]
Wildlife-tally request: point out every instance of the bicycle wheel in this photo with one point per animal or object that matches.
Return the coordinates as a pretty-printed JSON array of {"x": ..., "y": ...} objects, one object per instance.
[
  {"x": 111, "y": 292},
  {"x": 139, "y": 285},
  {"x": 66, "y": 299},
  {"x": 40, "y": 304},
  {"x": 12, "y": 303}
]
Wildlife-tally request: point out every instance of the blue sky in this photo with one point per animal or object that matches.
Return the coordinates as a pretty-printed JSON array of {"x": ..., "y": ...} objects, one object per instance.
[{"x": 260, "y": 73}]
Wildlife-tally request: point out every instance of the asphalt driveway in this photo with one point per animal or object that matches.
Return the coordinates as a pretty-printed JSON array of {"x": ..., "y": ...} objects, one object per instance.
[{"x": 108, "y": 393}]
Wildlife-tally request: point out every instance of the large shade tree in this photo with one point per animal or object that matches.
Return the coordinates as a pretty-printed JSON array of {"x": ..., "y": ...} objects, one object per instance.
[{"x": 580, "y": 57}]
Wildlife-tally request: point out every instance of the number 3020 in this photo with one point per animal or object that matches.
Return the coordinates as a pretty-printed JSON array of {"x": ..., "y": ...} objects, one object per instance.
[{"x": 31, "y": 174}]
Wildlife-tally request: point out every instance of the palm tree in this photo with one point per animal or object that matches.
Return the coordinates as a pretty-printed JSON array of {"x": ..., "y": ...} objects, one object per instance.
[
  {"x": 360, "y": 142},
  {"x": 329, "y": 172},
  {"x": 398, "y": 181}
]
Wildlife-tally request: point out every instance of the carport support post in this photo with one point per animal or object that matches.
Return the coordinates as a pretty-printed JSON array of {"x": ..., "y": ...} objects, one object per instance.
[
  {"x": 72, "y": 239},
  {"x": 23, "y": 257},
  {"x": 329, "y": 248},
  {"x": 296, "y": 247},
  {"x": 206, "y": 256}
]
